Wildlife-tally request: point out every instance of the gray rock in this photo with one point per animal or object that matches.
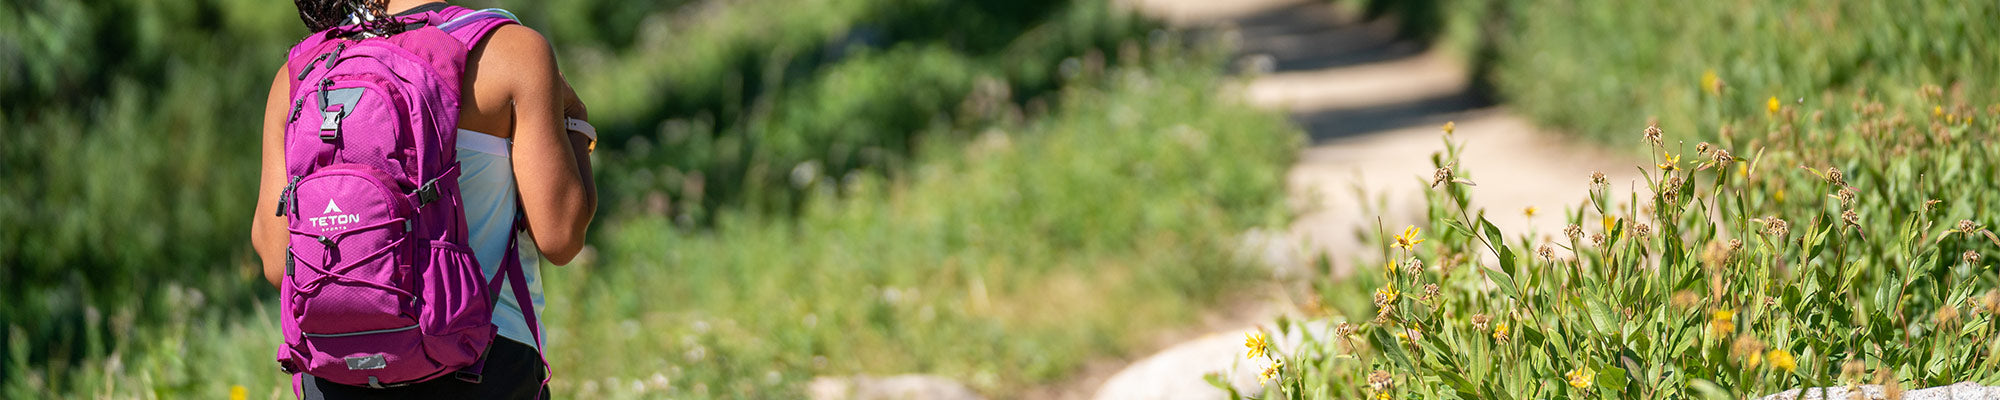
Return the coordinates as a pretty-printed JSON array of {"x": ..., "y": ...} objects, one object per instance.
[
  {"x": 1960, "y": 391},
  {"x": 898, "y": 387}
]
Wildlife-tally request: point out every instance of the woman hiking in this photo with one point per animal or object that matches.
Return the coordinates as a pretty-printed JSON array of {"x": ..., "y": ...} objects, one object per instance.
[{"x": 404, "y": 145}]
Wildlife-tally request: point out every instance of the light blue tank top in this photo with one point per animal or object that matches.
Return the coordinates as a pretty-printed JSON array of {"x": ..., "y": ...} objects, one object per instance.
[{"x": 486, "y": 184}]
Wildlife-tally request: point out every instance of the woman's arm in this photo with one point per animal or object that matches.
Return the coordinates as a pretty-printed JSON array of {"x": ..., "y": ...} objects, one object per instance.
[
  {"x": 552, "y": 171},
  {"x": 268, "y": 233}
]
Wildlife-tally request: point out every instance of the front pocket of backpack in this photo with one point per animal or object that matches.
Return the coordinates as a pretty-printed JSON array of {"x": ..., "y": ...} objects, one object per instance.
[
  {"x": 350, "y": 238},
  {"x": 457, "y": 313}
]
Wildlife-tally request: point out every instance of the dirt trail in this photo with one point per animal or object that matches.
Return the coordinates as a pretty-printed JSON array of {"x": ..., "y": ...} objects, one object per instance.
[{"x": 1372, "y": 105}]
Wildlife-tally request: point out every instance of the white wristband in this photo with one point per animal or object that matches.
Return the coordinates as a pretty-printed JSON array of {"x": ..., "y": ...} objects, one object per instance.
[{"x": 579, "y": 126}]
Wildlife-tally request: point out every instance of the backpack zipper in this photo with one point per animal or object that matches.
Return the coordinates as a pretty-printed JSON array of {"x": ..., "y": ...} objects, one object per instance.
[{"x": 285, "y": 197}]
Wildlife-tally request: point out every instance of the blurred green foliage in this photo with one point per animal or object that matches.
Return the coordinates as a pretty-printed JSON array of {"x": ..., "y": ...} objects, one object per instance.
[
  {"x": 749, "y": 148},
  {"x": 1594, "y": 68}
]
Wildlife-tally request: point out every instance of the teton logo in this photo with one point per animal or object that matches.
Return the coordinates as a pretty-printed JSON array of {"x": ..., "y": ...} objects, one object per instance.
[{"x": 329, "y": 220}]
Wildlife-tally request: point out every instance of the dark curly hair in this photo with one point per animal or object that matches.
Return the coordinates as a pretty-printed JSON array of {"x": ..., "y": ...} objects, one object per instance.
[{"x": 319, "y": 15}]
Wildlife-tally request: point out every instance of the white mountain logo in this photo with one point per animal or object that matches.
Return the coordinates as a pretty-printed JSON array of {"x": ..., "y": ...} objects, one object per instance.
[{"x": 330, "y": 220}]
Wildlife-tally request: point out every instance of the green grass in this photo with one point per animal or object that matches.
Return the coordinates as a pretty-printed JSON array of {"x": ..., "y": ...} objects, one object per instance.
[
  {"x": 1004, "y": 262},
  {"x": 935, "y": 196}
]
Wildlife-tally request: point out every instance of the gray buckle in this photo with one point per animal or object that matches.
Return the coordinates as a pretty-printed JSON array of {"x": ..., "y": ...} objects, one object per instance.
[{"x": 335, "y": 105}]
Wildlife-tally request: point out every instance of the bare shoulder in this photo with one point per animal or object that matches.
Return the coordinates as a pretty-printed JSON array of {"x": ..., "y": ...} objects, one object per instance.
[{"x": 514, "y": 52}]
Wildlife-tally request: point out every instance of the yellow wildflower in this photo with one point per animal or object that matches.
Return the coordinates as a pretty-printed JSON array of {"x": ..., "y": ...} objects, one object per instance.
[
  {"x": 1530, "y": 211},
  {"x": 1722, "y": 322},
  {"x": 1389, "y": 269},
  {"x": 1450, "y": 126},
  {"x": 1270, "y": 372},
  {"x": 1937, "y": 111},
  {"x": 1771, "y": 105},
  {"x": 1581, "y": 377},
  {"x": 1500, "y": 332},
  {"x": 1256, "y": 341},
  {"x": 1672, "y": 161},
  {"x": 1408, "y": 238},
  {"x": 1386, "y": 295},
  {"x": 1610, "y": 222},
  {"x": 237, "y": 392},
  {"x": 1782, "y": 359},
  {"x": 1711, "y": 83}
]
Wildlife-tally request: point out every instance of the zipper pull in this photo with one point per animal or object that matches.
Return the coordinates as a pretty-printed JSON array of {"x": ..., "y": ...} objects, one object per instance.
[
  {"x": 310, "y": 65},
  {"x": 285, "y": 198},
  {"x": 297, "y": 105}
]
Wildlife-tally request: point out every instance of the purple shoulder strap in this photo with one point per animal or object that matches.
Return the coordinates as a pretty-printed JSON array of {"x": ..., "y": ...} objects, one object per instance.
[{"x": 471, "y": 26}]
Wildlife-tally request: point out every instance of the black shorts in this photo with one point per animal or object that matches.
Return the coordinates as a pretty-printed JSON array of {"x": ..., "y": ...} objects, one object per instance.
[{"x": 513, "y": 371}]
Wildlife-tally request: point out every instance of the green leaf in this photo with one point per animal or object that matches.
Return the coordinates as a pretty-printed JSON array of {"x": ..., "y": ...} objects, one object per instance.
[
  {"x": 1505, "y": 282},
  {"x": 1388, "y": 344},
  {"x": 1458, "y": 383},
  {"x": 1612, "y": 378}
]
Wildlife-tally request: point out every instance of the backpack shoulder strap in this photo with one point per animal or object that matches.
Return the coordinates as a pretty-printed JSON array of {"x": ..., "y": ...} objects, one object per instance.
[{"x": 471, "y": 26}]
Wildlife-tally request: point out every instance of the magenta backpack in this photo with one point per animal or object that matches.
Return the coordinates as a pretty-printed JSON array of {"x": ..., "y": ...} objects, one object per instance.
[{"x": 380, "y": 287}]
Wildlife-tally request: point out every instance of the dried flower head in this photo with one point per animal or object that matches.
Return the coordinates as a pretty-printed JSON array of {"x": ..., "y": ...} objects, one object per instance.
[
  {"x": 1747, "y": 350},
  {"x": 1597, "y": 178},
  {"x": 1442, "y": 176},
  {"x": 1946, "y": 317},
  {"x": 1545, "y": 251},
  {"x": 1967, "y": 226},
  {"x": 1833, "y": 175},
  {"x": 1641, "y": 229},
  {"x": 1381, "y": 381},
  {"x": 1385, "y": 296},
  {"x": 1415, "y": 266},
  {"x": 1735, "y": 245},
  {"x": 1345, "y": 329},
  {"x": 1431, "y": 291},
  {"x": 1653, "y": 133},
  {"x": 1723, "y": 158},
  {"x": 1596, "y": 238},
  {"x": 1990, "y": 303},
  {"x": 1684, "y": 299},
  {"x": 1481, "y": 321},
  {"x": 1846, "y": 195},
  {"x": 1573, "y": 232},
  {"x": 1716, "y": 254},
  {"x": 1853, "y": 371},
  {"x": 1777, "y": 227},
  {"x": 1851, "y": 217}
]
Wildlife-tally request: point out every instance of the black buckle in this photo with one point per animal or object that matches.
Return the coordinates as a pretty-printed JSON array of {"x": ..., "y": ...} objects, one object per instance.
[
  {"x": 427, "y": 194},
  {"x": 289, "y": 261}
]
